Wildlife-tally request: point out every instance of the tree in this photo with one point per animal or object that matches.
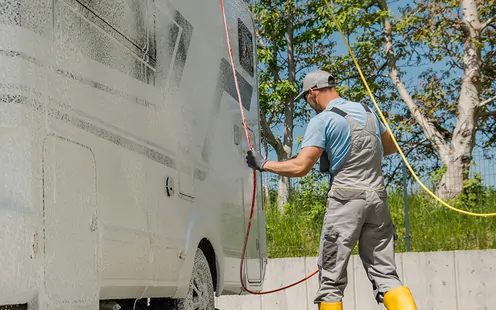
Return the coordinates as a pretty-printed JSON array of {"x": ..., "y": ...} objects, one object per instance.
[
  {"x": 432, "y": 71},
  {"x": 431, "y": 68},
  {"x": 447, "y": 107},
  {"x": 291, "y": 38}
]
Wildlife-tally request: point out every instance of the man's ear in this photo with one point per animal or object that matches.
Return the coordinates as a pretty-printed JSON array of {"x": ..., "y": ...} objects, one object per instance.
[{"x": 331, "y": 81}]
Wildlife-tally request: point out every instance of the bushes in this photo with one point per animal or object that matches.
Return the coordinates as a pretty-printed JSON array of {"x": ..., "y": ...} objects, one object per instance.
[{"x": 295, "y": 230}]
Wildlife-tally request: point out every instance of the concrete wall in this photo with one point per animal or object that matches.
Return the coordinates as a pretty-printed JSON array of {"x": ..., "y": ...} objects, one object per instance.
[{"x": 459, "y": 280}]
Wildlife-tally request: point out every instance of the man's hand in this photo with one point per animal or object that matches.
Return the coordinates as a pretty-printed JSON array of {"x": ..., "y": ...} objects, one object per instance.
[{"x": 255, "y": 160}]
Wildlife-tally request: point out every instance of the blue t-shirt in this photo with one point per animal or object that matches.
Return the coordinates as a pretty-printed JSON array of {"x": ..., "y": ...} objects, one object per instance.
[{"x": 332, "y": 132}]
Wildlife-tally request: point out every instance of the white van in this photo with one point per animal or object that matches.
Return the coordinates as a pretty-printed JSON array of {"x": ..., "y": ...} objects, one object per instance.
[{"x": 123, "y": 171}]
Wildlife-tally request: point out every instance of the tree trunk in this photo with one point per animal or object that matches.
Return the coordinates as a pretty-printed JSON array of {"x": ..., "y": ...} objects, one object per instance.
[
  {"x": 451, "y": 183},
  {"x": 456, "y": 156},
  {"x": 283, "y": 192},
  {"x": 463, "y": 141},
  {"x": 284, "y": 189},
  {"x": 267, "y": 195},
  {"x": 430, "y": 131},
  {"x": 284, "y": 184}
]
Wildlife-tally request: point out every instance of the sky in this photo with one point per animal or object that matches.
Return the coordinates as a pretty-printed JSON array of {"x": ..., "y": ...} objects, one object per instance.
[{"x": 485, "y": 166}]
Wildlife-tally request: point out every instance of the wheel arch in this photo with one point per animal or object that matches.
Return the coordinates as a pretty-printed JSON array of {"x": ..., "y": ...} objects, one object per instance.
[
  {"x": 209, "y": 252},
  {"x": 201, "y": 235}
]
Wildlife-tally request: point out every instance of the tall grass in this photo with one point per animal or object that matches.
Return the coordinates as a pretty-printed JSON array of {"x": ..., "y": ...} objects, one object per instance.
[
  {"x": 434, "y": 227},
  {"x": 294, "y": 231}
]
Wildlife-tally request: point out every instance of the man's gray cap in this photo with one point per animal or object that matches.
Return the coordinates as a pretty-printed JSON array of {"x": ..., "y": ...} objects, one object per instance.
[{"x": 315, "y": 80}]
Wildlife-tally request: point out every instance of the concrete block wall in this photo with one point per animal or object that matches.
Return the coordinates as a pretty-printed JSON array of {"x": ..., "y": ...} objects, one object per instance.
[{"x": 458, "y": 280}]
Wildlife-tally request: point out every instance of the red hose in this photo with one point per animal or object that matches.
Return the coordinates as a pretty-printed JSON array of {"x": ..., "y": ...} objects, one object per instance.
[{"x": 248, "y": 229}]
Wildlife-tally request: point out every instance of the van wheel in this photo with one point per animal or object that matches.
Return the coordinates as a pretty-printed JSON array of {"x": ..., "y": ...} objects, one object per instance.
[{"x": 201, "y": 289}]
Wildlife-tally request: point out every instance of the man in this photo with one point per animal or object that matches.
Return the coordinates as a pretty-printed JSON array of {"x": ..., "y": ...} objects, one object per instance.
[{"x": 351, "y": 142}]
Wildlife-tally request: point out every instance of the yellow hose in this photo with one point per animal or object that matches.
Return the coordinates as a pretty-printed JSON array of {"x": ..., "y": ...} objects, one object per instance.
[{"x": 389, "y": 129}]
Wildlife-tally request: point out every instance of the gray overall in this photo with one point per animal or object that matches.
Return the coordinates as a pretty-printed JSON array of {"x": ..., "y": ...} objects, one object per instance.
[{"x": 357, "y": 211}]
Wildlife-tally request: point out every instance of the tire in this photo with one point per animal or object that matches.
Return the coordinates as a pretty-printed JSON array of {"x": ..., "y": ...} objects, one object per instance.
[{"x": 201, "y": 289}]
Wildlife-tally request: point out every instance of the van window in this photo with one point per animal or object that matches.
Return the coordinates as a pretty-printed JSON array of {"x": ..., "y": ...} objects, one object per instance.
[{"x": 245, "y": 47}]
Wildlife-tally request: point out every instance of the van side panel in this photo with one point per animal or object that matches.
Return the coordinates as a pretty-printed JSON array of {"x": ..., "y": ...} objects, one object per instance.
[
  {"x": 21, "y": 147},
  {"x": 71, "y": 238},
  {"x": 145, "y": 87}
]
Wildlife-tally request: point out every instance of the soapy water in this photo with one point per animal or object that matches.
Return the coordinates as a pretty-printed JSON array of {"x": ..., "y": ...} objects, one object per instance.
[
  {"x": 38, "y": 89},
  {"x": 49, "y": 84},
  {"x": 244, "y": 146}
]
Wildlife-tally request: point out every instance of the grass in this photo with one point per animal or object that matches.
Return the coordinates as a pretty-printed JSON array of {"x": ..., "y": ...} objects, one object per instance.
[{"x": 295, "y": 231}]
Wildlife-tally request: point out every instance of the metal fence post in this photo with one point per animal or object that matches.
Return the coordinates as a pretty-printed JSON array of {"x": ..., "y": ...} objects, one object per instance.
[{"x": 405, "y": 200}]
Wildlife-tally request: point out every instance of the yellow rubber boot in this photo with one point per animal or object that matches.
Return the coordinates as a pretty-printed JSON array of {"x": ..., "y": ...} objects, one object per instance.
[
  {"x": 399, "y": 298},
  {"x": 331, "y": 306}
]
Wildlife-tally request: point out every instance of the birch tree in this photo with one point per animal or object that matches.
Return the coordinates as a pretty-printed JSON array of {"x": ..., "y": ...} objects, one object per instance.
[
  {"x": 447, "y": 106},
  {"x": 432, "y": 67}
]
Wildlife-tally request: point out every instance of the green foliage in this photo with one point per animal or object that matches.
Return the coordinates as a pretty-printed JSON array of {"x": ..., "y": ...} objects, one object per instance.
[
  {"x": 292, "y": 37},
  {"x": 436, "y": 228},
  {"x": 428, "y": 43},
  {"x": 295, "y": 231},
  {"x": 290, "y": 235},
  {"x": 474, "y": 194},
  {"x": 437, "y": 174}
]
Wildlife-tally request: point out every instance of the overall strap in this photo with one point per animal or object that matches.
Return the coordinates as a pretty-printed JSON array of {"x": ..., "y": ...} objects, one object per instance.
[
  {"x": 337, "y": 111},
  {"x": 344, "y": 114},
  {"x": 370, "y": 124},
  {"x": 367, "y": 109}
]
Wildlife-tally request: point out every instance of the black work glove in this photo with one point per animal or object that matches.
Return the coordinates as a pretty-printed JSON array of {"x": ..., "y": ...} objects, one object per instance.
[{"x": 255, "y": 160}]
